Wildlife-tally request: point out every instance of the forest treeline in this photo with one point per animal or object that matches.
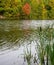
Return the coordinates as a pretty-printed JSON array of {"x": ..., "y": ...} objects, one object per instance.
[{"x": 27, "y": 9}]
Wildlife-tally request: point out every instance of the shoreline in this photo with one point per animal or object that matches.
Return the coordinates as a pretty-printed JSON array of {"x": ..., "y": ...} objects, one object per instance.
[{"x": 18, "y": 18}]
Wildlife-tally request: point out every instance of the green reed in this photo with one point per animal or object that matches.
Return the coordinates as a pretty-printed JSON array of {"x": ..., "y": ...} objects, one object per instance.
[
  {"x": 46, "y": 46},
  {"x": 28, "y": 55}
]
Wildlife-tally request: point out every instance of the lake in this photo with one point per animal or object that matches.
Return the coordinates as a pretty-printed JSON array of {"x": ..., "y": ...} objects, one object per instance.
[{"x": 19, "y": 38}]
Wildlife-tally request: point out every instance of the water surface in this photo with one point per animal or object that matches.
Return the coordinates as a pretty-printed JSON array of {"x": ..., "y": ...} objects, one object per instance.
[{"x": 18, "y": 36}]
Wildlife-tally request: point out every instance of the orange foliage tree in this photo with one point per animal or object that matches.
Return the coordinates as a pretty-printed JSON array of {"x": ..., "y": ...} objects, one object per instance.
[{"x": 26, "y": 8}]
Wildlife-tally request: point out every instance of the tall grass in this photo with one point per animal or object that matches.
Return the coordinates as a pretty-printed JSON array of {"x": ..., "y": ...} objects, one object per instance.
[
  {"x": 28, "y": 55},
  {"x": 46, "y": 47}
]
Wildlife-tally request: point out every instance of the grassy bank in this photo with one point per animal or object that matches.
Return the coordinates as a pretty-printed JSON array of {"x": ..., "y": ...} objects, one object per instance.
[{"x": 23, "y": 9}]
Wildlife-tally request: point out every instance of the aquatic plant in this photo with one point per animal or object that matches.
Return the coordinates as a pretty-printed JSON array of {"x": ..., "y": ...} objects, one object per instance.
[
  {"x": 50, "y": 54},
  {"x": 28, "y": 56},
  {"x": 45, "y": 46}
]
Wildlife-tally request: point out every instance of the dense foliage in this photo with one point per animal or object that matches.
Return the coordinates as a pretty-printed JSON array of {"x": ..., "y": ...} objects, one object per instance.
[{"x": 27, "y": 9}]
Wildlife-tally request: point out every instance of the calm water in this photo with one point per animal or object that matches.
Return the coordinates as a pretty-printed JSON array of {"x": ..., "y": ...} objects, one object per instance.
[{"x": 16, "y": 37}]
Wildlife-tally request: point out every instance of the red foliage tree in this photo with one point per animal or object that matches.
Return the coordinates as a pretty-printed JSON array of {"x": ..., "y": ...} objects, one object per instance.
[{"x": 26, "y": 9}]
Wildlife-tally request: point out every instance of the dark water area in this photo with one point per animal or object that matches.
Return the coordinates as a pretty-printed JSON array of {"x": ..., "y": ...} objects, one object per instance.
[{"x": 18, "y": 36}]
